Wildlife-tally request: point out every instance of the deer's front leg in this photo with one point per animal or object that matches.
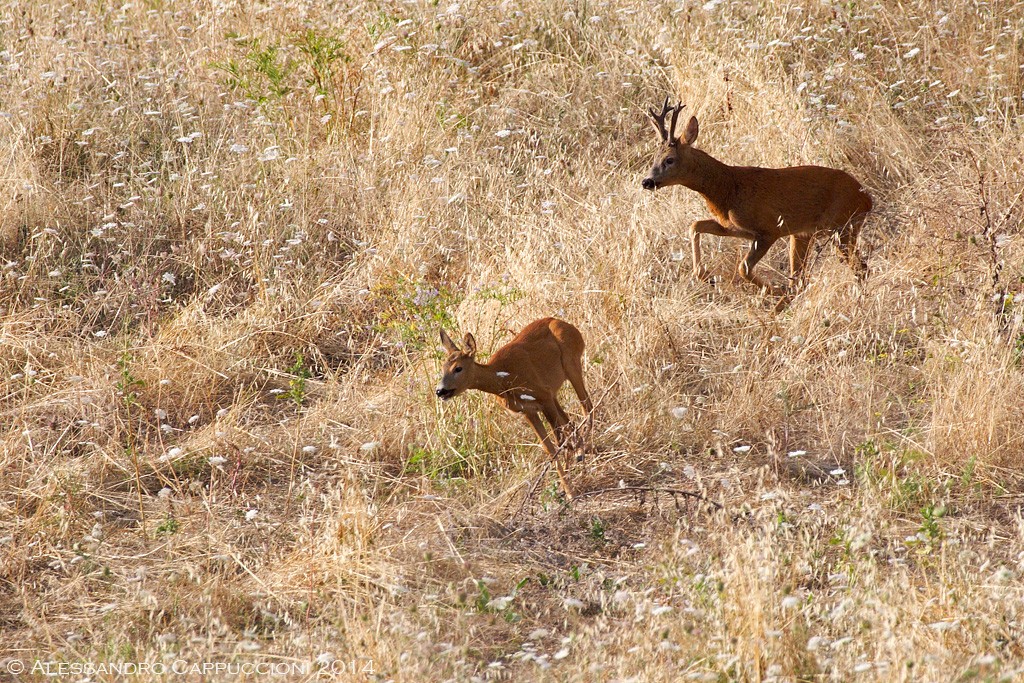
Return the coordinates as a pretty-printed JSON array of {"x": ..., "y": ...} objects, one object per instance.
[
  {"x": 758, "y": 248},
  {"x": 550, "y": 447},
  {"x": 699, "y": 271},
  {"x": 709, "y": 227}
]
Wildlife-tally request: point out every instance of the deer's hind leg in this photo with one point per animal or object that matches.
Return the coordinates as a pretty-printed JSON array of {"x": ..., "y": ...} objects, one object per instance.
[
  {"x": 573, "y": 366},
  {"x": 562, "y": 427},
  {"x": 560, "y": 422},
  {"x": 799, "y": 247},
  {"x": 552, "y": 450}
]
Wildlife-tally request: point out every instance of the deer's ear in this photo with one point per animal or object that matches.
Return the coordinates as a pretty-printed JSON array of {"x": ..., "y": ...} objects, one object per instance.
[
  {"x": 470, "y": 344},
  {"x": 447, "y": 343},
  {"x": 692, "y": 128}
]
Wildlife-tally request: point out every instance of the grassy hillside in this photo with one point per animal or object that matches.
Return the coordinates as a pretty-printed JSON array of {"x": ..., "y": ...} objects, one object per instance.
[{"x": 230, "y": 232}]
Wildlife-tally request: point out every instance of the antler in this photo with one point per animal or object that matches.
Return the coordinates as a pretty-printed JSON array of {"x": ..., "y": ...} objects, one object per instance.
[
  {"x": 659, "y": 120},
  {"x": 675, "y": 117}
]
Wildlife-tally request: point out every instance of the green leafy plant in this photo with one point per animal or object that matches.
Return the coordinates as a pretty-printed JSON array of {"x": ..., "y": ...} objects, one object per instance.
[
  {"x": 483, "y": 597},
  {"x": 448, "y": 118},
  {"x": 297, "y": 384},
  {"x": 127, "y": 383},
  {"x": 381, "y": 24},
  {"x": 437, "y": 465},
  {"x": 262, "y": 72},
  {"x": 930, "y": 529},
  {"x": 553, "y": 494},
  {"x": 324, "y": 52},
  {"x": 168, "y": 526},
  {"x": 503, "y": 295}
]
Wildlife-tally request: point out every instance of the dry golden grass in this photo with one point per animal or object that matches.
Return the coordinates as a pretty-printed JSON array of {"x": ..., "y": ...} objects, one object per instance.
[{"x": 230, "y": 232}]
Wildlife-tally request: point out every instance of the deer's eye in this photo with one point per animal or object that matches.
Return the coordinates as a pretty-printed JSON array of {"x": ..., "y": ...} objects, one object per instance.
[
  {"x": 670, "y": 161},
  {"x": 458, "y": 369}
]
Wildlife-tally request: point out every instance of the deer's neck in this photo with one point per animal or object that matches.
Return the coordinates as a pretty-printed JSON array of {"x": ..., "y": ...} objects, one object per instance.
[
  {"x": 713, "y": 179},
  {"x": 490, "y": 379}
]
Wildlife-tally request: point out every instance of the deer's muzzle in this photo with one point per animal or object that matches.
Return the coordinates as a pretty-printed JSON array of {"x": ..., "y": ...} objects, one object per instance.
[{"x": 649, "y": 184}]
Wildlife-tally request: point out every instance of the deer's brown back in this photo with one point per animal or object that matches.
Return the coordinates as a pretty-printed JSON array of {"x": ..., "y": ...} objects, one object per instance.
[
  {"x": 534, "y": 356},
  {"x": 799, "y": 199}
]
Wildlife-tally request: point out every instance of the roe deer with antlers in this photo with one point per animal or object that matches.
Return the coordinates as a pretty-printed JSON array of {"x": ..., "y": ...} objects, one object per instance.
[
  {"x": 760, "y": 204},
  {"x": 525, "y": 376}
]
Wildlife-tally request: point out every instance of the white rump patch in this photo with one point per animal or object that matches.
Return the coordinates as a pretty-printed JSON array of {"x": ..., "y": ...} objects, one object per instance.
[
  {"x": 527, "y": 397},
  {"x": 501, "y": 374}
]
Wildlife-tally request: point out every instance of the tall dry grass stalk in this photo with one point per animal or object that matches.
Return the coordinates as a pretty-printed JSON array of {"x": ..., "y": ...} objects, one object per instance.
[{"x": 230, "y": 232}]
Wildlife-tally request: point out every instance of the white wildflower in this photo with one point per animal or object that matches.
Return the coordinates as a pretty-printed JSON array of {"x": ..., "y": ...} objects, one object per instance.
[
  {"x": 270, "y": 153},
  {"x": 816, "y": 642},
  {"x": 944, "y": 625},
  {"x": 501, "y": 603}
]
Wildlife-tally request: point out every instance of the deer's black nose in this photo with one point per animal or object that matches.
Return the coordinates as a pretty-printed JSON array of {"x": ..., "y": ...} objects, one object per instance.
[
  {"x": 648, "y": 184},
  {"x": 442, "y": 392}
]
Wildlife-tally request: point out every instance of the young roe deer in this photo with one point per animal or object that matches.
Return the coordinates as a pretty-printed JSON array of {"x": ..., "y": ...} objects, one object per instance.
[
  {"x": 525, "y": 376},
  {"x": 760, "y": 204}
]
